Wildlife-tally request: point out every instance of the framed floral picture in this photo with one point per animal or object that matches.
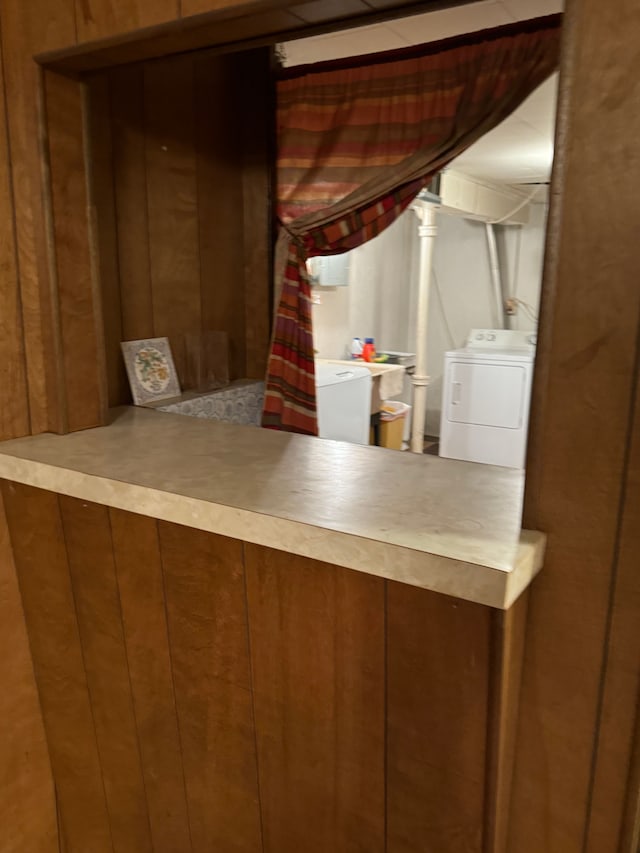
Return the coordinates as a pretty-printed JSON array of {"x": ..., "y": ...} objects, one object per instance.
[{"x": 152, "y": 374}]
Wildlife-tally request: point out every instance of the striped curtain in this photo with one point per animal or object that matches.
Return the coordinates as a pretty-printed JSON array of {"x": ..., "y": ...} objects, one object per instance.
[{"x": 356, "y": 143}]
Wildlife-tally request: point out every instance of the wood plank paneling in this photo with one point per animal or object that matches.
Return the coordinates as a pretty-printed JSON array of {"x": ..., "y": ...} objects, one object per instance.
[
  {"x": 204, "y": 583},
  {"x": 28, "y": 28},
  {"x": 580, "y": 416},
  {"x": 80, "y": 320},
  {"x": 192, "y": 174},
  {"x": 220, "y": 202},
  {"x": 100, "y": 130},
  {"x": 97, "y": 19},
  {"x": 197, "y": 7},
  {"x": 438, "y": 653},
  {"x": 14, "y": 400},
  {"x": 317, "y": 647},
  {"x": 88, "y": 538},
  {"x": 619, "y": 724},
  {"x": 130, "y": 183},
  {"x": 257, "y": 86},
  {"x": 139, "y": 570},
  {"x": 27, "y": 802},
  {"x": 172, "y": 200},
  {"x": 508, "y": 636},
  {"x": 45, "y": 585},
  {"x": 630, "y": 835}
]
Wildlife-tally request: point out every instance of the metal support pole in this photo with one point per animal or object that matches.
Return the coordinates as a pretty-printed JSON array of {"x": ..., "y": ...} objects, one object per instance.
[{"x": 427, "y": 230}]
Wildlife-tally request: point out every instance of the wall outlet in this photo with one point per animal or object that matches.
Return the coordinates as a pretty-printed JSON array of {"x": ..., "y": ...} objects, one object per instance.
[{"x": 511, "y": 306}]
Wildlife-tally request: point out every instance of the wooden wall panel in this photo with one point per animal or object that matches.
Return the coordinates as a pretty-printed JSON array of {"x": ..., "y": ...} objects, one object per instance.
[
  {"x": 220, "y": 203},
  {"x": 88, "y": 539},
  {"x": 78, "y": 300},
  {"x": 204, "y": 582},
  {"x": 580, "y": 422},
  {"x": 317, "y": 647},
  {"x": 28, "y": 28},
  {"x": 43, "y": 572},
  {"x": 104, "y": 211},
  {"x": 196, "y": 7},
  {"x": 438, "y": 653},
  {"x": 138, "y": 563},
  {"x": 619, "y": 723},
  {"x": 191, "y": 176},
  {"x": 14, "y": 399},
  {"x": 172, "y": 196},
  {"x": 508, "y": 632},
  {"x": 257, "y": 86},
  {"x": 27, "y": 800},
  {"x": 130, "y": 186},
  {"x": 97, "y": 19}
]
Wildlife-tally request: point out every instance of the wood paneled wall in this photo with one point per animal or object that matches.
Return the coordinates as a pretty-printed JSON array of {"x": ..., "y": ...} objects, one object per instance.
[
  {"x": 181, "y": 165},
  {"x": 204, "y": 694},
  {"x": 28, "y": 820},
  {"x": 581, "y": 481},
  {"x": 574, "y": 740}
]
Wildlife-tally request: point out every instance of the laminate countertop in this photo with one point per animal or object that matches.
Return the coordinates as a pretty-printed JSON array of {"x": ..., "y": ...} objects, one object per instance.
[{"x": 452, "y": 527}]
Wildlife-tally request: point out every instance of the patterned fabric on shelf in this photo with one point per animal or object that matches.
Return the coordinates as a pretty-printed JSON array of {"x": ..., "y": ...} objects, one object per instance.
[{"x": 237, "y": 404}]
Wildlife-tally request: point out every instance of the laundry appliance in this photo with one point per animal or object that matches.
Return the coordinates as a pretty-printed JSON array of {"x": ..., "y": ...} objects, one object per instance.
[
  {"x": 343, "y": 398},
  {"x": 485, "y": 397}
]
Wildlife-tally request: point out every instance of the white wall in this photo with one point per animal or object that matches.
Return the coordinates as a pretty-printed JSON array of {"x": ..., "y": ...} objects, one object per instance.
[
  {"x": 381, "y": 297},
  {"x": 523, "y": 263}
]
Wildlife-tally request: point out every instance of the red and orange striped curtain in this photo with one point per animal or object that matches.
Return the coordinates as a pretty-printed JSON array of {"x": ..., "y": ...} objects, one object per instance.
[{"x": 356, "y": 143}]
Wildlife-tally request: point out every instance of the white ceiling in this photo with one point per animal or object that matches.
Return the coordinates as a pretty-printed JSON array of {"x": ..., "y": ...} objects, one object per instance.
[{"x": 520, "y": 150}]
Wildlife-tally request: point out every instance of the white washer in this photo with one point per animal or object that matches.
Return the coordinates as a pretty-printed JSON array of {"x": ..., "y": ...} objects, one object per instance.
[
  {"x": 485, "y": 398},
  {"x": 343, "y": 397}
]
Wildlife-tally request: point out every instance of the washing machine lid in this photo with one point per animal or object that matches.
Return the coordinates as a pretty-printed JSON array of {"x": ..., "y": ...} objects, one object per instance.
[{"x": 337, "y": 374}]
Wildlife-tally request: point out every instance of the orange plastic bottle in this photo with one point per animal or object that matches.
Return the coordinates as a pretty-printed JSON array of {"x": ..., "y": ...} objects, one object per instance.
[{"x": 368, "y": 350}]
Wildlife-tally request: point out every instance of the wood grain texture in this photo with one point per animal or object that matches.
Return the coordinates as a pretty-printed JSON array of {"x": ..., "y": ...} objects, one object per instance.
[
  {"x": 88, "y": 539},
  {"x": 317, "y": 648},
  {"x": 197, "y": 7},
  {"x": 615, "y": 784},
  {"x": 221, "y": 204},
  {"x": 14, "y": 399},
  {"x": 630, "y": 836},
  {"x": 80, "y": 319},
  {"x": 43, "y": 573},
  {"x": 137, "y": 556},
  {"x": 172, "y": 201},
  {"x": 130, "y": 183},
  {"x": 191, "y": 171},
  {"x": 205, "y": 593},
  {"x": 102, "y": 174},
  {"x": 28, "y": 28},
  {"x": 27, "y": 800},
  {"x": 257, "y": 86},
  {"x": 508, "y": 631},
  {"x": 591, "y": 301},
  {"x": 438, "y": 655},
  {"x": 97, "y": 19}
]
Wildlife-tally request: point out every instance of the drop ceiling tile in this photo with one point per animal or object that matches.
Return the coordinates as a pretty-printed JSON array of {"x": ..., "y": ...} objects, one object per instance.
[
  {"x": 523, "y": 10},
  {"x": 321, "y": 10},
  {"x": 356, "y": 42},
  {"x": 419, "y": 29}
]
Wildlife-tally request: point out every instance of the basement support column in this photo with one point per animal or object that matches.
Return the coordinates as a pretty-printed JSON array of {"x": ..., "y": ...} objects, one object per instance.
[{"x": 427, "y": 229}]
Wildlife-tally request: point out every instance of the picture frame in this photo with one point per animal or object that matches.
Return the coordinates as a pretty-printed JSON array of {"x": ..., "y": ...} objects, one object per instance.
[{"x": 151, "y": 371}]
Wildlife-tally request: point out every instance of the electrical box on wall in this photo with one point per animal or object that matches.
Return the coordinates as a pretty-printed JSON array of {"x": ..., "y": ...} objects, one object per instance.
[{"x": 330, "y": 271}]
